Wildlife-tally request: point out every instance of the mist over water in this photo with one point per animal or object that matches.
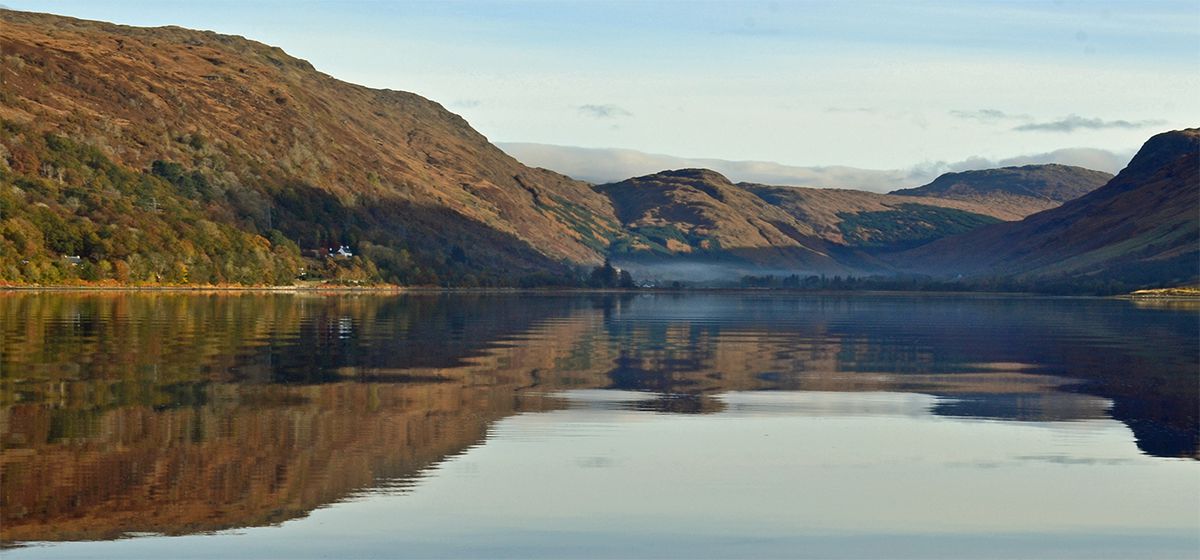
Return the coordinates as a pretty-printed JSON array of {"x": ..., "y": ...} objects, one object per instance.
[
  {"x": 694, "y": 272},
  {"x": 597, "y": 426}
]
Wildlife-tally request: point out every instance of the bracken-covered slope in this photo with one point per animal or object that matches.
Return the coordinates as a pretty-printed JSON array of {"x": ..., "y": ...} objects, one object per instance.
[
  {"x": 262, "y": 148},
  {"x": 695, "y": 214},
  {"x": 698, "y": 212},
  {"x": 1020, "y": 190},
  {"x": 878, "y": 222},
  {"x": 1141, "y": 227}
]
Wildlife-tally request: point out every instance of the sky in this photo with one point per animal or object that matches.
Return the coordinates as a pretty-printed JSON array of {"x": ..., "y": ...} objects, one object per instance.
[{"x": 874, "y": 85}]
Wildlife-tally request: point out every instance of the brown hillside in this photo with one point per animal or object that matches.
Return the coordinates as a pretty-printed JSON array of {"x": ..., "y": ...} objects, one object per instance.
[
  {"x": 247, "y": 114},
  {"x": 1020, "y": 190},
  {"x": 1142, "y": 226},
  {"x": 825, "y": 210},
  {"x": 699, "y": 211}
]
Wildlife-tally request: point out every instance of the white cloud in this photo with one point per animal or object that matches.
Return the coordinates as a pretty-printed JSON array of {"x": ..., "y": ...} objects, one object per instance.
[
  {"x": 1070, "y": 123},
  {"x": 1091, "y": 158}
]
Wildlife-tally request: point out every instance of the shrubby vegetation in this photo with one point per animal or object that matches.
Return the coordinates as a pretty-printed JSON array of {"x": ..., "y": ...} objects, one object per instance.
[
  {"x": 908, "y": 226},
  {"x": 69, "y": 214},
  {"x": 60, "y": 199},
  {"x": 654, "y": 240},
  {"x": 608, "y": 276}
]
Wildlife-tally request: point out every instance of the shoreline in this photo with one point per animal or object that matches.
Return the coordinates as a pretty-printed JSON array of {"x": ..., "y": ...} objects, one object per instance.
[
  {"x": 1158, "y": 295},
  {"x": 276, "y": 289},
  {"x": 1192, "y": 294}
]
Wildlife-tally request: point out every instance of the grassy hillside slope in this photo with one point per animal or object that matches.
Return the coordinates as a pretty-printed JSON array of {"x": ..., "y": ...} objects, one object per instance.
[{"x": 275, "y": 150}]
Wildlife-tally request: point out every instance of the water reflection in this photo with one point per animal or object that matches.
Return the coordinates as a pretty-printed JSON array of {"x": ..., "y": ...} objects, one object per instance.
[{"x": 180, "y": 414}]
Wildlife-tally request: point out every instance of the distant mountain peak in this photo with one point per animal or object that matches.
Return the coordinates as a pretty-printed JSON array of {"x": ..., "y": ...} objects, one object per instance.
[
  {"x": 694, "y": 176},
  {"x": 1162, "y": 149},
  {"x": 1025, "y": 188}
]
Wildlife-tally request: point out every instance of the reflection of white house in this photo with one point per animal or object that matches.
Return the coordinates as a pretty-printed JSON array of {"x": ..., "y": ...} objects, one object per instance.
[{"x": 73, "y": 260}]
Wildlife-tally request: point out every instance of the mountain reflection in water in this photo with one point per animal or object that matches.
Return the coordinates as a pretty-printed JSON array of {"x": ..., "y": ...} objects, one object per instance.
[{"x": 180, "y": 414}]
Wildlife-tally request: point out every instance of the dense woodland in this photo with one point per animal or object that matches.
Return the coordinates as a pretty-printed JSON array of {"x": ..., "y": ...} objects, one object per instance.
[
  {"x": 62, "y": 199},
  {"x": 170, "y": 224}
]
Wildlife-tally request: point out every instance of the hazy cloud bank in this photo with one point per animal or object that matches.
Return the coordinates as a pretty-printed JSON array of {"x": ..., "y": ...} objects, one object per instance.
[
  {"x": 606, "y": 165},
  {"x": 1075, "y": 122},
  {"x": 1069, "y": 123}
]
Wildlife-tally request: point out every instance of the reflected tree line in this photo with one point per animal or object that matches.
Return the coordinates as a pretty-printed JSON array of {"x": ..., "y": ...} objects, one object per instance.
[{"x": 179, "y": 413}]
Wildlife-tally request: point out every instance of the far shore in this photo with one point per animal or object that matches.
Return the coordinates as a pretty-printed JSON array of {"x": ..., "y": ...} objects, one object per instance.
[
  {"x": 1162, "y": 294},
  {"x": 223, "y": 288},
  {"x": 1166, "y": 293}
]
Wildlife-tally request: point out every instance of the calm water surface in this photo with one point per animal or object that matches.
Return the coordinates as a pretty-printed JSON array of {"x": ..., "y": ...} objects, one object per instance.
[{"x": 284, "y": 426}]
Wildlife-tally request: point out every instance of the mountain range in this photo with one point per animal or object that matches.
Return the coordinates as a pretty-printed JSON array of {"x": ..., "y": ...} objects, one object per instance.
[
  {"x": 1143, "y": 226},
  {"x": 172, "y": 156},
  {"x": 607, "y": 165}
]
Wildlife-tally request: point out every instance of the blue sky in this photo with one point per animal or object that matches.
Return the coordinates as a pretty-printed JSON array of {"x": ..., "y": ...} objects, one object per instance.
[{"x": 867, "y": 84}]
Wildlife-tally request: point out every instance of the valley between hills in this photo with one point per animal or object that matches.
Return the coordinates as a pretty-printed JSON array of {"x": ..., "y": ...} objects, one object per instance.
[{"x": 172, "y": 157}]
